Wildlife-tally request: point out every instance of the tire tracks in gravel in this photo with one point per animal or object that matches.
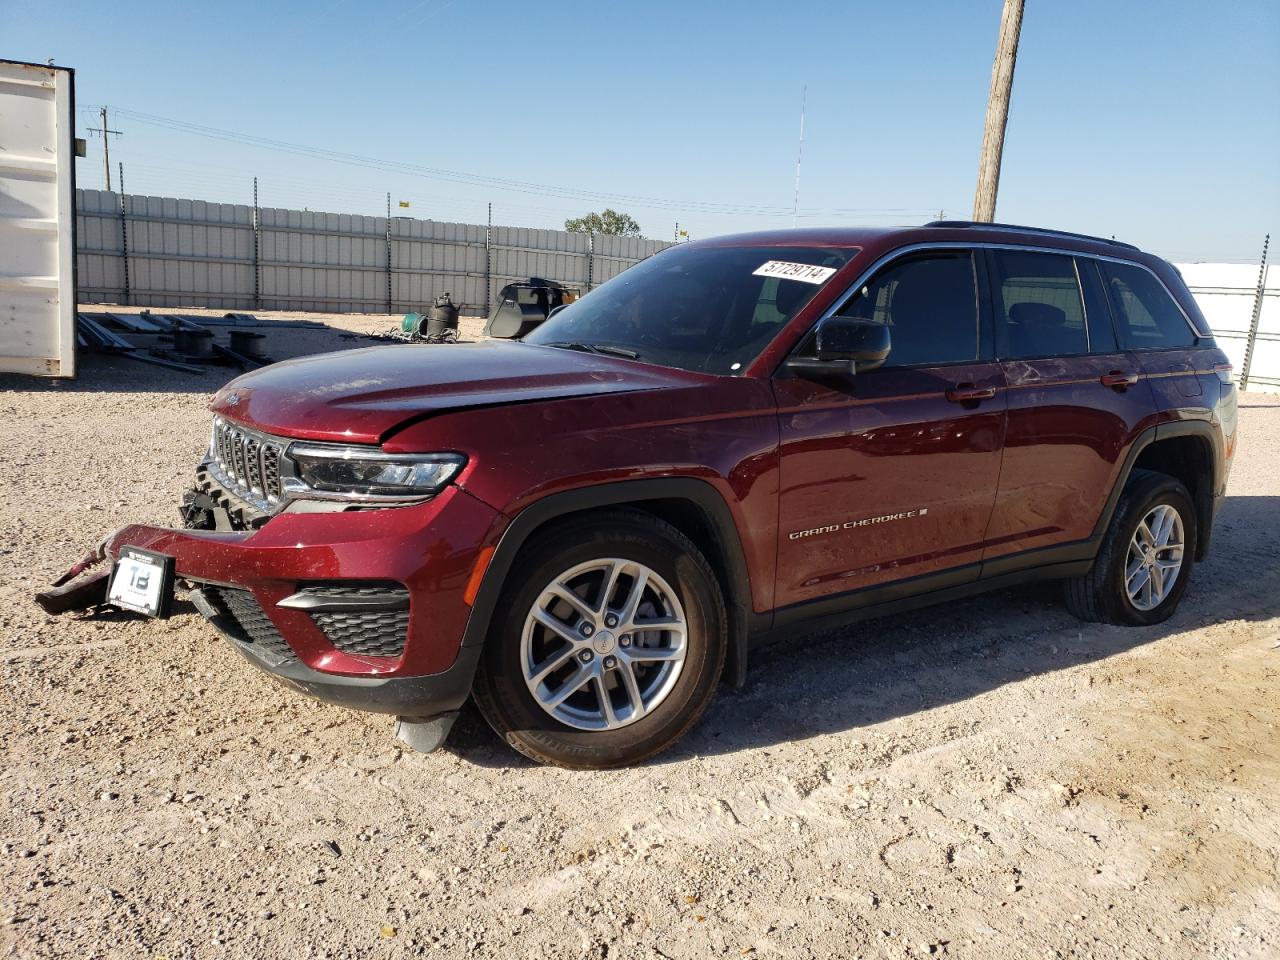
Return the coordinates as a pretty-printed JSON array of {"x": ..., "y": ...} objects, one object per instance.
[{"x": 825, "y": 808}]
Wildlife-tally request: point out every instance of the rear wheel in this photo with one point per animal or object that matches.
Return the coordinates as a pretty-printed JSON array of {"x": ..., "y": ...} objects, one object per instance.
[
  {"x": 608, "y": 643},
  {"x": 1144, "y": 563}
]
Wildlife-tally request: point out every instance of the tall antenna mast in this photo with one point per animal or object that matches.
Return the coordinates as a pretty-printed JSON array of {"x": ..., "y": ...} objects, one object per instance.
[{"x": 795, "y": 205}]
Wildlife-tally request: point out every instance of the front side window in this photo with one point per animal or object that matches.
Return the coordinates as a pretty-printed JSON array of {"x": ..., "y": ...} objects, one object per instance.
[
  {"x": 705, "y": 309},
  {"x": 930, "y": 304},
  {"x": 1037, "y": 299},
  {"x": 1146, "y": 314}
]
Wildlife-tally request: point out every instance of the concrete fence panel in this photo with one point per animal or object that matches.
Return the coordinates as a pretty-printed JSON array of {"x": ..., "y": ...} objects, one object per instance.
[
  {"x": 172, "y": 252},
  {"x": 1226, "y": 294}
]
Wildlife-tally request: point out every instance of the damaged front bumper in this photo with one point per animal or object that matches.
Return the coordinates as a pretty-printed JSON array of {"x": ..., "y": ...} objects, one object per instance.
[{"x": 361, "y": 608}]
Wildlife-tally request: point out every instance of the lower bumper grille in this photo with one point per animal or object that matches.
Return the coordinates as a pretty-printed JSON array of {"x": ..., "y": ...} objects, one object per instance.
[
  {"x": 370, "y": 620},
  {"x": 242, "y": 618},
  {"x": 366, "y": 634}
]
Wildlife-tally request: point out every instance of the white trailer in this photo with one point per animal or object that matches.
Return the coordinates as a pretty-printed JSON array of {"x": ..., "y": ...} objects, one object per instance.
[{"x": 37, "y": 220}]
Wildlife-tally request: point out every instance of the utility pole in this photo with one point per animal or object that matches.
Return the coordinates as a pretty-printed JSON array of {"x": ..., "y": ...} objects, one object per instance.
[
  {"x": 795, "y": 203},
  {"x": 984, "y": 199},
  {"x": 106, "y": 134}
]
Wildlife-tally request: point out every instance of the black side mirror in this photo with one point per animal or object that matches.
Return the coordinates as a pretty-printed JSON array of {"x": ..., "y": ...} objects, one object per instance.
[{"x": 843, "y": 346}]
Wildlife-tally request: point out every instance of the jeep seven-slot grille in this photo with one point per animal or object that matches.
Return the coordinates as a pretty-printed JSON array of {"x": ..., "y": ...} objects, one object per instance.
[{"x": 249, "y": 463}]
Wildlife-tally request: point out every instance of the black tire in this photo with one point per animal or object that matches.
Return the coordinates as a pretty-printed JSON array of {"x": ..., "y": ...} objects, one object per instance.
[
  {"x": 500, "y": 690},
  {"x": 1100, "y": 596}
]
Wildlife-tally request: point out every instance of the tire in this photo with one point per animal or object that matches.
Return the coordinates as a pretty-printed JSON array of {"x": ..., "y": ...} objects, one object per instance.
[
  {"x": 1103, "y": 595},
  {"x": 673, "y": 673}
]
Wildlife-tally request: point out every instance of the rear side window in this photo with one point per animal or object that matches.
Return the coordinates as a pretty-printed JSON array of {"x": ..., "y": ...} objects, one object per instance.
[
  {"x": 930, "y": 305},
  {"x": 1037, "y": 298},
  {"x": 1147, "y": 316}
]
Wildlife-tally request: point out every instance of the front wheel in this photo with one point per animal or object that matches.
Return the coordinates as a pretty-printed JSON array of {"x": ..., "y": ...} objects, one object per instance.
[
  {"x": 1144, "y": 563},
  {"x": 608, "y": 643}
]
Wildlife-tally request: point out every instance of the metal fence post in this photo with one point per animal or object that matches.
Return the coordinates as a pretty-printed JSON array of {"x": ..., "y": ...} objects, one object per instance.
[
  {"x": 591, "y": 260},
  {"x": 488, "y": 264},
  {"x": 1257, "y": 316},
  {"x": 257, "y": 241},
  {"x": 124, "y": 236},
  {"x": 388, "y": 253}
]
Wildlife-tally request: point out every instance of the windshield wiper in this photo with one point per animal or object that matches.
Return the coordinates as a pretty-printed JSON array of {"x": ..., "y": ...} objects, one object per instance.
[{"x": 605, "y": 348}]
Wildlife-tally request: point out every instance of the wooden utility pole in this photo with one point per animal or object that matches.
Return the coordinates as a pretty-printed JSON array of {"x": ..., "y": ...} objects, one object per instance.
[
  {"x": 106, "y": 150},
  {"x": 984, "y": 200}
]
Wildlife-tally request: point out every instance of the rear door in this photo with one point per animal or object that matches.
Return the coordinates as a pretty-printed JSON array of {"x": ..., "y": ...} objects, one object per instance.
[
  {"x": 893, "y": 474},
  {"x": 1152, "y": 325},
  {"x": 1076, "y": 400},
  {"x": 37, "y": 245}
]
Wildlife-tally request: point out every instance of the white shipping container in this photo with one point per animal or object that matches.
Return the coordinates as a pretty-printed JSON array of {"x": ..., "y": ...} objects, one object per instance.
[{"x": 37, "y": 216}]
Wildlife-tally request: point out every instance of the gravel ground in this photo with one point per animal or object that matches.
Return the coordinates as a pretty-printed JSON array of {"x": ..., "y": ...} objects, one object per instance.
[{"x": 992, "y": 779}]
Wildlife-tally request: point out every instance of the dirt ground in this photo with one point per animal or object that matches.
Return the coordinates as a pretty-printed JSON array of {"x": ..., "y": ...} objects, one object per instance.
[{"x": 991, "y": 779}]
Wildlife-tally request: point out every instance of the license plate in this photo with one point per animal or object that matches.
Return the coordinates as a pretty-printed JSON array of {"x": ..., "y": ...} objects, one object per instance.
[{"x": 142, "y": 581}]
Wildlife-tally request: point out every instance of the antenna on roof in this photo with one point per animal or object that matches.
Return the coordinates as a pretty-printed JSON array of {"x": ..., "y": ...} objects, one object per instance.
[{"x": 795, "y": 205}]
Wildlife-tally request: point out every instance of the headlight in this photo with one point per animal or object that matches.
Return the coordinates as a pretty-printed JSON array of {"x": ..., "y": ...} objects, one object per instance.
[{"x": 359, "y": 472}]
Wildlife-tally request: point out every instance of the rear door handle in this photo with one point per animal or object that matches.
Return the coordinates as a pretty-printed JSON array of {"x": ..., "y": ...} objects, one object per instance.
[
  {"x": 1119, "y": 379},
  {"x": 970, "y": 393}
]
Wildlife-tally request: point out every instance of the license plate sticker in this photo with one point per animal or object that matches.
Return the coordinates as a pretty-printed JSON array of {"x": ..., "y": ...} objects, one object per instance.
[{"x": 142, "y": 581}]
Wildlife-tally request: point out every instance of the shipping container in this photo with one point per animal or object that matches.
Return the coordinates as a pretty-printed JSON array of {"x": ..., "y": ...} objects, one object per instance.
[{"x": 37, "y": 220}]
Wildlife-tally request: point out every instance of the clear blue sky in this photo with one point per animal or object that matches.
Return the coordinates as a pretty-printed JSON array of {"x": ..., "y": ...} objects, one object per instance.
[{"x": 1156, "y": 122}]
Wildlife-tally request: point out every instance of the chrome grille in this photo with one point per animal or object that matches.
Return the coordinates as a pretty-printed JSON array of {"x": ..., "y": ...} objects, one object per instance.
[{"x": 247, "y": 463}]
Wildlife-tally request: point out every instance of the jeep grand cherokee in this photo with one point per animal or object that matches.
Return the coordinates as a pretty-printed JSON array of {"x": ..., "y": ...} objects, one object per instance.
[{"x": 737, "y": 437}]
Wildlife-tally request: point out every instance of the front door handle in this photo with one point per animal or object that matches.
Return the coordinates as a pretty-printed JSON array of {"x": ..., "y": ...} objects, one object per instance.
[
  {"x": 1119, "y": 379},
  {"x": 970, "y": 393}
]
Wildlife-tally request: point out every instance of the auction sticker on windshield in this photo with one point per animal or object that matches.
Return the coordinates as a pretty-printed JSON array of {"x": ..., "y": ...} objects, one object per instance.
[
  {"x": 805, "y": 272},
  {"x": 142, "y": 582}
]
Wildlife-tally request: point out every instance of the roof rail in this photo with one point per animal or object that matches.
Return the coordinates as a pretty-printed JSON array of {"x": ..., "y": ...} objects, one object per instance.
[{"x": 960, "y": 224}]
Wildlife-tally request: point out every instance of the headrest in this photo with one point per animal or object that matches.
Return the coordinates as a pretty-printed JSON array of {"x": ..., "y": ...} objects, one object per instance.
[
  {"x": 1041, "y": 315},
  {"x": 790, "y": 294}
]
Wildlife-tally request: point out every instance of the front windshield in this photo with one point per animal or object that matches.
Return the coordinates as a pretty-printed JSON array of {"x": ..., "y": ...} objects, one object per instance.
[{"x": 705, "y": 309}]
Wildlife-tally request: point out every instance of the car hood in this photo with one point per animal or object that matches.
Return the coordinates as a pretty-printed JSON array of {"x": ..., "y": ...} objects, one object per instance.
[{"x": 359, "y": 396}]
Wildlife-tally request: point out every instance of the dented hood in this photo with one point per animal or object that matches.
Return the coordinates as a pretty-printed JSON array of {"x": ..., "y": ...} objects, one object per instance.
[{"x": 359, "y": 396}]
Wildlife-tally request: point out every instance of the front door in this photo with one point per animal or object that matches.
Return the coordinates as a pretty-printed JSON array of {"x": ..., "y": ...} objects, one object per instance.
[{"x": 892, "y": 474}]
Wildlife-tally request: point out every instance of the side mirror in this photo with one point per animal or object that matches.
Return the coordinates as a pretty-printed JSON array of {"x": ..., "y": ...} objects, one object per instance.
[{"x": 843, "y": 346}]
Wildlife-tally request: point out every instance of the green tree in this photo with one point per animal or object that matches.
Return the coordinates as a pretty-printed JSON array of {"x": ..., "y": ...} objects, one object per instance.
[{"x": 610, "y": 221}]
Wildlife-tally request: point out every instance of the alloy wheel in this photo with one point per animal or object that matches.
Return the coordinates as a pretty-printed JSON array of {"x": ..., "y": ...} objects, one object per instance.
[
  {"x": 604, "y": 643},
  {"x": 1155, "y": 557}
]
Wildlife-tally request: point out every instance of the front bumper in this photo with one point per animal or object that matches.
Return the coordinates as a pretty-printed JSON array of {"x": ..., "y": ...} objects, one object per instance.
[
  {"x": 433, "y": 550},
  {"x": 424, "y": 696}
]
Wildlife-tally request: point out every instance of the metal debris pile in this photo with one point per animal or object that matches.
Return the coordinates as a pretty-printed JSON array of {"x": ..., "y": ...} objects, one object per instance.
[
  {"x": 182, "y": 341},
  {"x": 438, "y": 325}
]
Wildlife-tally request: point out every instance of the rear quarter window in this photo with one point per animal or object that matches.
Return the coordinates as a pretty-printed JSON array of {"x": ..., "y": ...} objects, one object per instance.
[{"x": 1147, "y": 316}]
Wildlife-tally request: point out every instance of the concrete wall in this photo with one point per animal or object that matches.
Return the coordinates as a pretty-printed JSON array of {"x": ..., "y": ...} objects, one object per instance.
[{"x": 195, "y": 253}]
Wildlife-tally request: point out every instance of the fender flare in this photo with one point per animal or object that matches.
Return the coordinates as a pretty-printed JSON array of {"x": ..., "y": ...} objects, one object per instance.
[
  {"x": 700, "y": 493},
  {"x": 1204, "y": 429}
]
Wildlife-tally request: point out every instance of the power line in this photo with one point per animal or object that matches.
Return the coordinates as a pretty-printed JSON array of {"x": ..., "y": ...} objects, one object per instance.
[{"x": 501, "y": 183}]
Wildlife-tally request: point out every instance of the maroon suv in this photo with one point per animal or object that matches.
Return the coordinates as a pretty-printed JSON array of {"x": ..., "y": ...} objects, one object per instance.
[{"x": 751, "y": 434}]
